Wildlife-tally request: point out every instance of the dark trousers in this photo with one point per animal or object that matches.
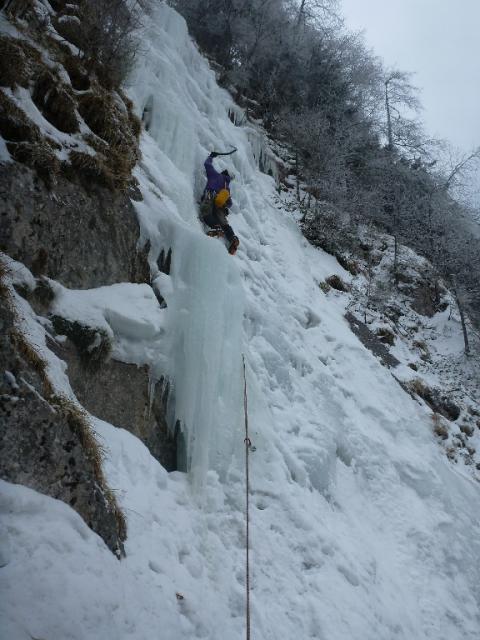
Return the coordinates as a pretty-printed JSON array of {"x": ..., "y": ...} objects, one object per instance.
[{"x": 215, "y": 217}]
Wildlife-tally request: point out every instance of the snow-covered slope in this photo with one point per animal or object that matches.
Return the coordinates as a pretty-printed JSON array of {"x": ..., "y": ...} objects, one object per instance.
[{"x": 360, "y": 528}]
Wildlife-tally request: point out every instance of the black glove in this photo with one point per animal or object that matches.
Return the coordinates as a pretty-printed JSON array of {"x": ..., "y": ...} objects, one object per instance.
[{"x": 214, "y": 154}]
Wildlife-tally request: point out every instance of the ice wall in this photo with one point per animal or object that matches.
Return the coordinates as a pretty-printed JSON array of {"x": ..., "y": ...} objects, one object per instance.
[{"x": 187, "y": 117}]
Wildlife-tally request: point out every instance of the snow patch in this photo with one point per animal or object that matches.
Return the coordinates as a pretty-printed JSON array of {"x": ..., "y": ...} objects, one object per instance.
[{"x": 129, "y": 313}]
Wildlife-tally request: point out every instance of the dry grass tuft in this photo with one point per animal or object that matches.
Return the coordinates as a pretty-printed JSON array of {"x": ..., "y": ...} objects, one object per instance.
[
  {"x": 348, "y": 264},
  {"x": 92, "y": 167},
  {"x": 440, "y": 429},
  {"x": 15, "y": 126},
  {"x": 111, "y": 167},
  {"x": 18, "y": 62},
  {"x": 119, "y": 515},
  {"x": 434, "y": 398},
  {"x": 13, "y": 64},
  {"x": 38, "y": 363},
  {"x": 421, "y": 345},
  {"x": 96, "y": 143},
  {"x": 77, "y": 73},
  {"x": 337, "y": 283},
  {"x": 25, "y": 142},
  {"x": 385, "y": 335},
  {"x": 419, "y": 387},
  {"x": 69, "y": 29},
  {"x": 105, "y": 118},
  {"x": 467, "y": 429},
  {"x": 79, "y": 423},
  {"x": 451, "y": 454},
  {"x": 109, "y": 115},
  {"x": 38, "y": 156},
  {"x": 115, "y": 138},
  {"x": 135, "y": 122},
  {"x": 18, "y": 8},
  {"x": 54, "y": 100},
  {"x": 121, "y": 165}
]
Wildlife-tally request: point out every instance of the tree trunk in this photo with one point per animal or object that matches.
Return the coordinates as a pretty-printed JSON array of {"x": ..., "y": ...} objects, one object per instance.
[
  {"x": 369, "y": 288},
  {"x": 462, "y": 320},
  {"x": 395, "y": 259},
  {"x": 389, "y": 118},
  {"x": 436, "y": 289},
  {"x": 298, "y": 178}
]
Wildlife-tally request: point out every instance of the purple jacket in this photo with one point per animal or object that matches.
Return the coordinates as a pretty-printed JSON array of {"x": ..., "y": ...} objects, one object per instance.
[{"x": 215, "y": 181}]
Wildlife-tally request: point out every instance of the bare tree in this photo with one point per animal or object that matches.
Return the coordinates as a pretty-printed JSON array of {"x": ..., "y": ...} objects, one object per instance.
[
  {"x": 459, "y": 166},
  {"x": 317, "y": 11},
  {"x": 400, "y": 94}
]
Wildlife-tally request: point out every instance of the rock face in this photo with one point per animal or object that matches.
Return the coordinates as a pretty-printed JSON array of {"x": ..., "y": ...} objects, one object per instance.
[
  {"x": 371, "y": 341},
  {"x": 124, "y": 395},
  {"x": 47, "y": 446},
  {"x": 86, "y": 237},
  {"x": 83, "y": 236},
  {"x": 66, "y": 213}
]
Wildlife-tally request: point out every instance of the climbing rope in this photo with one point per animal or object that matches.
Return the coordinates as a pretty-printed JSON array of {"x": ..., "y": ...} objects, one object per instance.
[{"x": 248, "y": 444}]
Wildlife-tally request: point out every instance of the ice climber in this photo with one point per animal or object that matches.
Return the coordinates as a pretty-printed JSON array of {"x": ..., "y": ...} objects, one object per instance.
[{"x": 216, "y": 201}]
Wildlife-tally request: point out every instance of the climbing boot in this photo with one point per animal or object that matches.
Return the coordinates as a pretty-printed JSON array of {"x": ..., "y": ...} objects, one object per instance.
[
  {"x": 232, "y": 249},
  {"x": 217, "y": 232}
]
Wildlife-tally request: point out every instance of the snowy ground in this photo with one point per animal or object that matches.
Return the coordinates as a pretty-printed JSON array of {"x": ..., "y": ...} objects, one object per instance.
[
  {"x": 430, "y": 348},
  {"x": 361, "y": 529}
]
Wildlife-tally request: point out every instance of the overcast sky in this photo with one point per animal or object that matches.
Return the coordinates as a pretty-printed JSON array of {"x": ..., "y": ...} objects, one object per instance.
[{"x": 440, "y": 41}]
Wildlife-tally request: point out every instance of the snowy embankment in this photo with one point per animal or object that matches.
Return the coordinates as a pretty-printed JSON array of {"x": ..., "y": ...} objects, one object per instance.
[{"x": 360, "y": 527}]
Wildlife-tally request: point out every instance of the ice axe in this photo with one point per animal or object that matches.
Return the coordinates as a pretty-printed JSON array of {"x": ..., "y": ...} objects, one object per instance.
[{"x": 228, "y": 153}]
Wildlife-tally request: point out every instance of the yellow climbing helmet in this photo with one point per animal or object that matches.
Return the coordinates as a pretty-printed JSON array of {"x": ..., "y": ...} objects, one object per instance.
[{"x": 222, "y": 197}]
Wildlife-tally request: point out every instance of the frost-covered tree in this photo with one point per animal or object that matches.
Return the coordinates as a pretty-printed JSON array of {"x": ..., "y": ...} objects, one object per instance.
[
  {"x": 401, "y": 103},
  {"x": 106, "y": 33},
  {"x": 352, "y": 126}
]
